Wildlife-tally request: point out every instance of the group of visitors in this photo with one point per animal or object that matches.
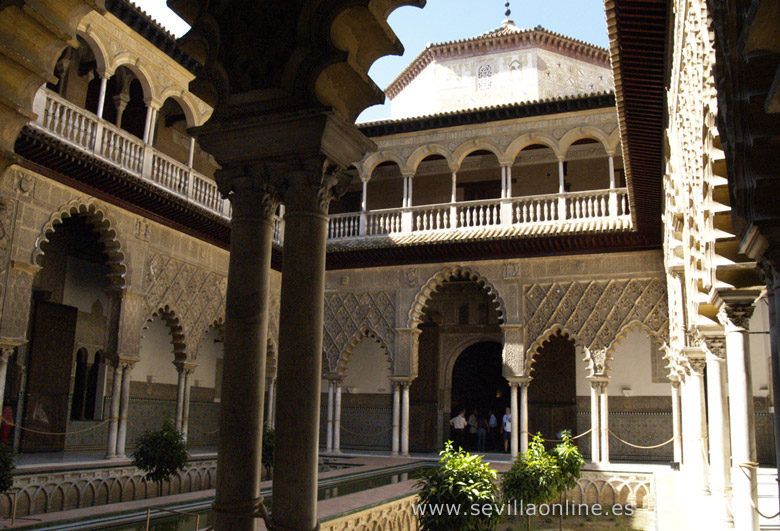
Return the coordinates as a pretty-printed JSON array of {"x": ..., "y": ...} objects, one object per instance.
[{"x": 481, "y": 433}]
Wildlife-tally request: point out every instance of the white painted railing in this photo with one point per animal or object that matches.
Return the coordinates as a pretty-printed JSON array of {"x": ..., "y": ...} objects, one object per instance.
[{"x": 82, "y": 129}]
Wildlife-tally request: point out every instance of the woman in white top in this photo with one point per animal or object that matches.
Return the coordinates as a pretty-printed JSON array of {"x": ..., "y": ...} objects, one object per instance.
[{"x": 506, "y": 428}]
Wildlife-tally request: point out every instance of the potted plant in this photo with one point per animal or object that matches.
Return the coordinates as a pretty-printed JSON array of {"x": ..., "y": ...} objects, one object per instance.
[
  {"x": 460, "y": 482},
  {"x": 161, "y": 453}
]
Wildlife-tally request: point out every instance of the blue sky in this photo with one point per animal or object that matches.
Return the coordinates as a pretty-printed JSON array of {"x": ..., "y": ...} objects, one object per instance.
[{"x": 448, "y": 20}]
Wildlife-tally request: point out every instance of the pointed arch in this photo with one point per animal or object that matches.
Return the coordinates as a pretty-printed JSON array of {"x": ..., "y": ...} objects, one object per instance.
[
  {"x": 583, "y": 132},
  {"x": 423, "y": 152},
  {"x": 176, "y": 327},
  {"x": 436, "y": 281},
  {"x": 103, "y": 223},
  {"x": 531, "y": 139},
  {"x": 554, "y": 330},
  {"x": 470, "y": 146},
  {"x": 364, "y": 332}
]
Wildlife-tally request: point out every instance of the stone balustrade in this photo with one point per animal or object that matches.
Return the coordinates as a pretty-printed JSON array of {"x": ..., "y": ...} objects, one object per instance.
[{"x": 85, "y": 131}]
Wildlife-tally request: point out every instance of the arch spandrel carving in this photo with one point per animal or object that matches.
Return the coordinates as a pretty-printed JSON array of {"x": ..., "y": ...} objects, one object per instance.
[{"x": 595, "y": 314}]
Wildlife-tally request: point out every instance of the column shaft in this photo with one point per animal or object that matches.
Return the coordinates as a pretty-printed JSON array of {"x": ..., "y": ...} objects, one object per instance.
[
  {"x": 124, "y": 410},
  {"x": 396, "y": 417},
  {"x": 329, "y": 426},
  {"x": 695, "y": 429},
  {"x": 244, "y": 363},
  {"x": 337, "y": 418},
  {"x": 514, "y": 413},
  {"x": 405, "y": 418},
  {"x": 148, "y": 123},
  {"x": 743, "y": 442},
  {"x": 102, "y": 96},
  {"x": 5, "y": 353},
  {"x": 269, "y": 406},
  {"x": 113, "y": 423},
  {"x": 773, "y": 294},
  {"x": 595, "y": 428},
  {"x": 676, "y": 423},
  {"x": 185, "y": 413},
  {"x": 604, "y": 424},
  {"x": 300, "y": 366},
  {"x": 561, "y": 187},
  {"x": 720, "y": 450},
  {"x": 524, "y": 417},
  {"x": 179, "y": 398}
]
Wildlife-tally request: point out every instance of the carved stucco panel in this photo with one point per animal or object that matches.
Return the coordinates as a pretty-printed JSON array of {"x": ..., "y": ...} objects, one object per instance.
[{"x": 346, "y": 314}]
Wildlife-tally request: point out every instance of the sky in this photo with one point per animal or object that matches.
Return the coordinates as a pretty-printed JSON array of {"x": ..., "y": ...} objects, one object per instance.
[{"x": 449, "y": 20}]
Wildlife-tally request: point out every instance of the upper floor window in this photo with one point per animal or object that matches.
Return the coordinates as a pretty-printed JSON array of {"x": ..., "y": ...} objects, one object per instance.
[{"x": 484, "y": 77}]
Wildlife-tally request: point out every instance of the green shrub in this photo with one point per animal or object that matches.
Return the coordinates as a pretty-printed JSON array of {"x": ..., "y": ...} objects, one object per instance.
[
  {"x": 535, "y": 476},
  {"x": 161, "y": 453},
  {"x": 570, "y": 462},
  {"x": 6, "y": 467},
  {"x": 460, "y": 480}
]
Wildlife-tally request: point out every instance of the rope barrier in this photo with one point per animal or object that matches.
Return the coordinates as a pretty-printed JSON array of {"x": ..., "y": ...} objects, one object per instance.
[
  {"x": 754, "y": 466},
  {"x": 366, "y": 434},
  {"x": 583, "y": 434},
  {"x": 96, "y": 426},
  {"x": 638, "y": 446}
]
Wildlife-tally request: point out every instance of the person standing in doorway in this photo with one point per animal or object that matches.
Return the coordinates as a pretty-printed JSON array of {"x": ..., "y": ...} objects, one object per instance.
[
  {"x": 458, "y": 423},
  {"x": 492, "y": 431},
  {"x": 506, "y": 429}
]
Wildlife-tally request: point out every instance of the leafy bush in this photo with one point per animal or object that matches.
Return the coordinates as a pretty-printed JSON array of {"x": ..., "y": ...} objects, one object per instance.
[
  {"x": 535, "y": 476},
  {"x": 570, "y": 462},
  {"x": 460, "y": 480},
  {"x": 161, "y": 453},
  {"x": 6, "y": 467}
]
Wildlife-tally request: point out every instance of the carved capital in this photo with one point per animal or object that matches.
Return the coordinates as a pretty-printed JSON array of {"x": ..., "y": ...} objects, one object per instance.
[
  {"x": 251, "y": 191},
  {"x": 597, "y": 359},
  {"x": 736, "y": 315},
  {"x": 311, "y": 184},
  {"x": 716, "y": 345}
]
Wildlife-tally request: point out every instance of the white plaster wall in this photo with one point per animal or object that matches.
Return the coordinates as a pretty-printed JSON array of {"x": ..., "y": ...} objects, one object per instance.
[
  {"x": 85, "y": 283},
  {"x": 208, "y": 354},
  {"x": 518, "y": 76},
  {"x": 760, "y": 349},
  {"x": 156, "y": 354},
  {"x": 368, "y": 369},
  {"x": 631, "y": 368}
]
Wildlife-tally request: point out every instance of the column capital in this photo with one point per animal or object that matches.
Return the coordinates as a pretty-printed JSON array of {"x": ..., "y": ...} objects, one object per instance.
[
  {"x": 311, "y": 183},
  {"x": 598, "y": 382},
  {"x": 251, "y": 191},
  {"x": 736, "y": 315},
  {"x": 597, "y": 359},
  {"x": 185, "y": 366},
  {"x": 716, "y": 345},
  {"x": 519, "y": 381}
]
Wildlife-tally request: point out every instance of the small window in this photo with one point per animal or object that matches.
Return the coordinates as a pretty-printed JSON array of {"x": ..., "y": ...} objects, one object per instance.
[{"x": 484, "y": 75}]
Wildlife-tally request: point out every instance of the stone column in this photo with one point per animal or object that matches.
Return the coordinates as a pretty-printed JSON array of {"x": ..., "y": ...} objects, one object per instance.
[
  {"x": 179, "y": 395},
  {"x": 124, "y": 409},
  {"x": 595, "y": 428},
  {"x": 773, "y": 296},
  {"x": 120, "y": 102},
  {"x": 245, "y": 346},
  {"x": 604, "y": 421},
  {"x": 5, "y": 353},
  {"x": 113, "y": 424},
  {"x": 329, "y": 426},
  {"x": 185, "y": 419},
  {"x": 306, "y": 198},
  {"x": 695, "y": 425},
  {"x": 396, "y": 417},
  {"x": 337, "y": 417},
  {"x": 405, "y": 418},
  {"x": 735, "y": 316},
  {"x": 676, "y": 422},
  {"x": 524, "y": 414},
  {"x": 270, "y": 384},
  {"x": 513, "y": 439},
  {"x": 102, "y": 96},
  {"x": 718, "y": 423}
]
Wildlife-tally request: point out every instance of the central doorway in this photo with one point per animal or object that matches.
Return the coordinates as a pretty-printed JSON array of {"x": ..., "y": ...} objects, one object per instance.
[
  {"x": 478, "y": 383},
  {"x": 552, "y": 395}
]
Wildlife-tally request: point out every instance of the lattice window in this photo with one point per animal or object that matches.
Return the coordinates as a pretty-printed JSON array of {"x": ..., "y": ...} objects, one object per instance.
[{"x": 484, "y": 77}]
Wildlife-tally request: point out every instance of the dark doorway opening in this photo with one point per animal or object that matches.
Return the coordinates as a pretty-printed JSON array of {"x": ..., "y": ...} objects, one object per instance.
[
  {"x": 478, "y": 383},
  {"x": 552, "y": 394}
]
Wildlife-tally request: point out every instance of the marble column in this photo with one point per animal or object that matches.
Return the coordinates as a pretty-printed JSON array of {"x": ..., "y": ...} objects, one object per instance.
[
  {"x": 695, "y": 422},
  {"x": 179, "y": 395},
  {"x": 337, "y": 417},
  {"x": 270, "y": 384},
  {"x": 773, "y": 298},
  {"x": 124, "y": 409},
  {"x": 396, "y": 417},
  {"x": 245, "y": 346},
  {"x": 604, "y": 421},
  {"x": 735, "y": 316},
  {"x": 524, "y": 414},
  {"x": 718, "y": 424},
  {"x": 185, "y": 417},
  {"x": 306, "y": 197},
  {"x": 5, "y": 354},
  {"x": 405, "y": 418},
  {"x": 677, "y": 448},
  {"x": 329, "y": 426},
  {"x": 102, "y": 95},
  {"x": 595, "y": 428},
  {"x": 113, "y": 423},
  {"x": 514, "y": 413}
]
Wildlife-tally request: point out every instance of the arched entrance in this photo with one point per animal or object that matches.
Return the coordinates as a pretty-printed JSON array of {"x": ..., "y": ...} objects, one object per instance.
[
  {"x": 552, "y": 394},
  {"x": 477, "y": 382}
]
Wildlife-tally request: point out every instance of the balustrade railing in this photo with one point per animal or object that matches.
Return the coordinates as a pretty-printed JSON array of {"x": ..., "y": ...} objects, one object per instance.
[{"x": 104, "y": 140}]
